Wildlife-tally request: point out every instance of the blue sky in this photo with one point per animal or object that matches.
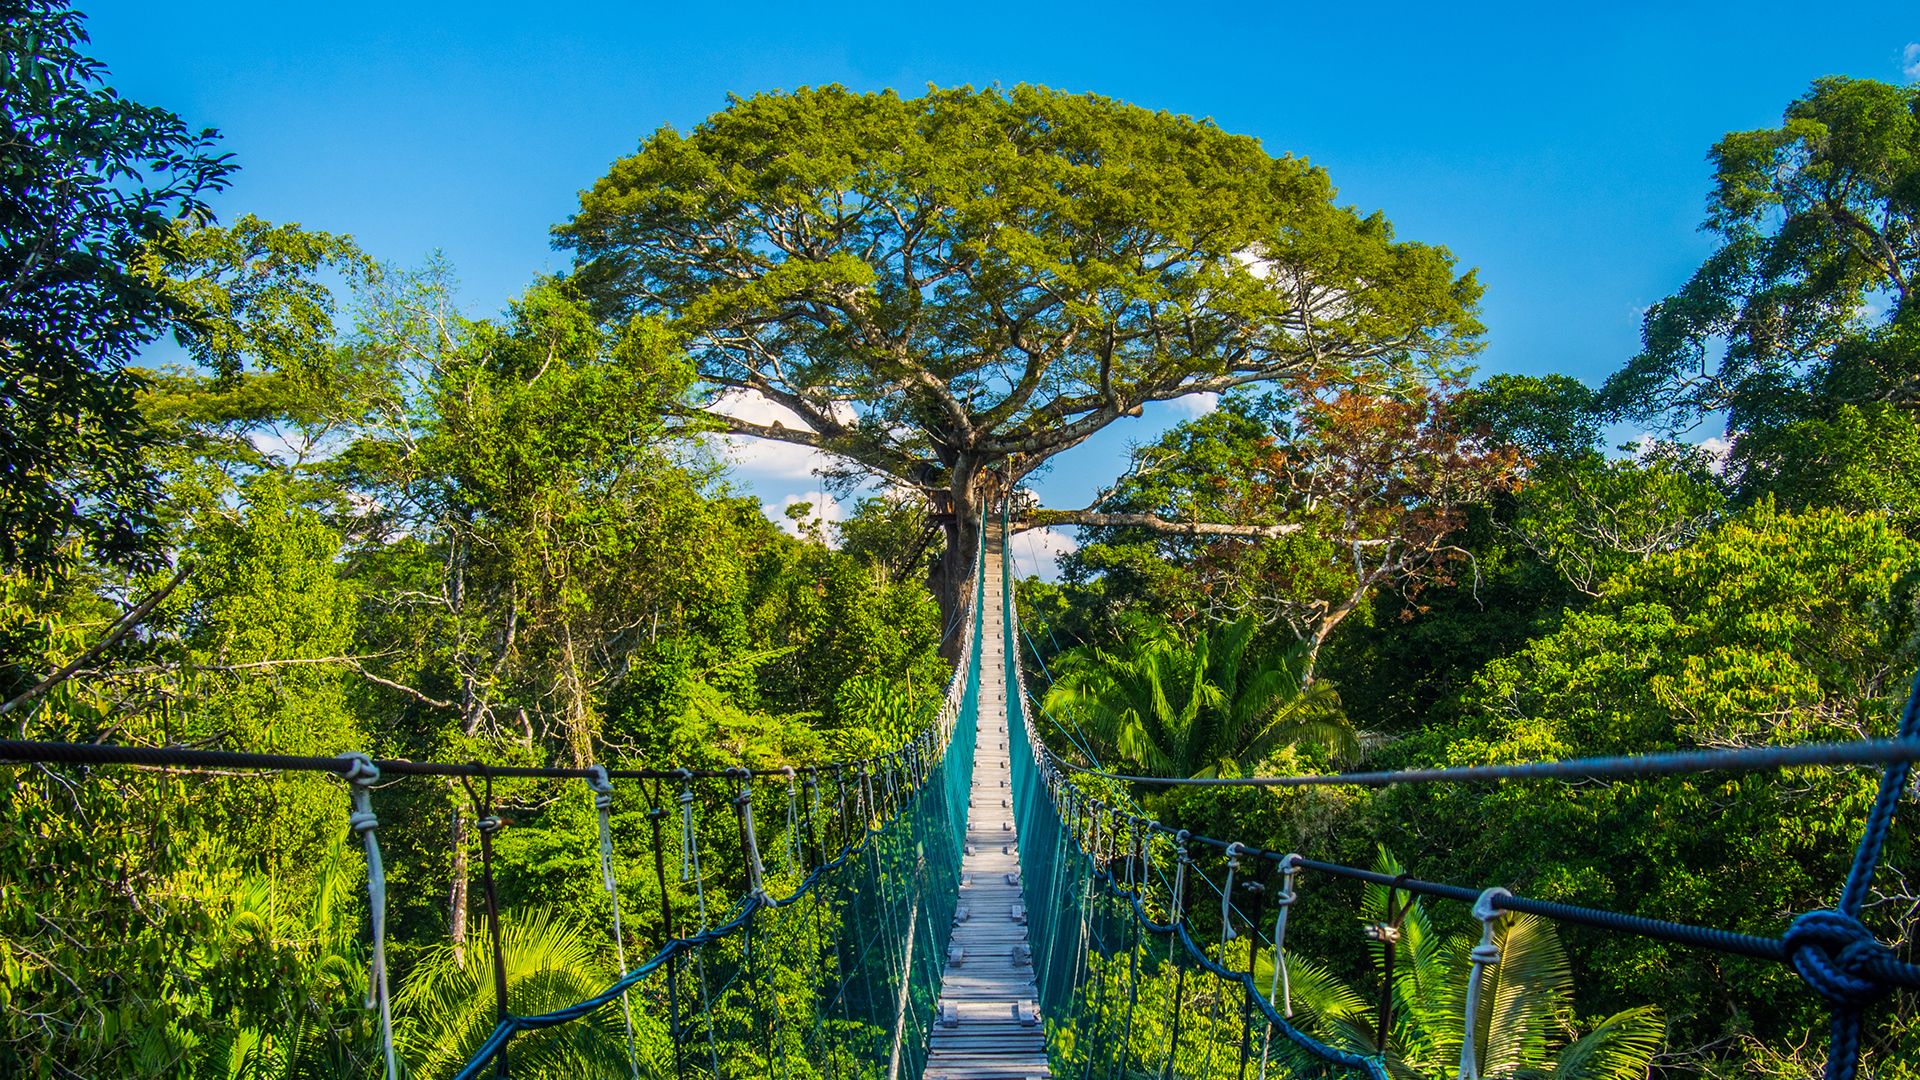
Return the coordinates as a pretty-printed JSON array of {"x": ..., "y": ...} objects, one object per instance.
[{"x": 1560, "y": 151}]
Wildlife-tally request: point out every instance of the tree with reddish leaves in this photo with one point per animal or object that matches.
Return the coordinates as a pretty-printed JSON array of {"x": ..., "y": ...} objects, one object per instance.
[{"x": 1341, "y": 495}]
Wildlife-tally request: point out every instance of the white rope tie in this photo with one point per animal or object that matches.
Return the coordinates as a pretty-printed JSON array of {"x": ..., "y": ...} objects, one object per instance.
[
  {"x": 690, "y": 848},
  {"x": 1483, "y": 954},
  {"x": 1180, "y": 875},
  {"x": 363, "y": 774},
  {"x": 818, "y": 824},
  {"x": 756, "y": 873},
  {"x": 1289, "y": 866},
  {"x": 603, "y": 805},
  {"x": 1227, "y": 932},
  {"x": 792, "y": 850}
]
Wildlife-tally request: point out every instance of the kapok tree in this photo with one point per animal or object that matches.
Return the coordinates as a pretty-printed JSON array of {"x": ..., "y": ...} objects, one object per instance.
[{"x": 949, "y": 290}]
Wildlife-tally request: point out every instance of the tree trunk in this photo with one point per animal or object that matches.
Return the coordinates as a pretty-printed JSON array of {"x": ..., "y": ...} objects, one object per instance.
[
  {"x": 457, "y": 890},
  {"x": 952, "y": 577}
]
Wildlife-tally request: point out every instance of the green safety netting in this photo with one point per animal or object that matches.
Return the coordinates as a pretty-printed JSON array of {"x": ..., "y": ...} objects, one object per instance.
[{"x": 1125, "y": 987}]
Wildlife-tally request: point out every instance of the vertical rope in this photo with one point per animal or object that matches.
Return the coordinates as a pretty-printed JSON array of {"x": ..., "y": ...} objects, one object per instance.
[
  {"x": 1483, "y": 955},
  {"x": 489, "y": 824},
  {"x": 1387, "y": 933},
  {"x": 1281, "y": 984},
  {"x": 656, "y": 814},
  {"x": 603, "y": 807},
  {"x": 362, "y": 774},
  {"x": 1182, "y": 859},
  {"x": 690, "y": 871}
]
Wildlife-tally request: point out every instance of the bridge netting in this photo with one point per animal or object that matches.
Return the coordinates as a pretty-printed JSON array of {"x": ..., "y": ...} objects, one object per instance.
[{"x": 1127, "y": 989}]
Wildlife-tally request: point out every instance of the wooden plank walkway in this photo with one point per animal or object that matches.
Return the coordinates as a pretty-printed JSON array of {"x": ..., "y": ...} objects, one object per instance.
[{"x": 987, "y": 1026}]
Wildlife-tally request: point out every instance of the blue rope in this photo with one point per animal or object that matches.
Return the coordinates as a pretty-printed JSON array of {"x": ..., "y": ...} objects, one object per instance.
[{"x": 1833, "y": 951}]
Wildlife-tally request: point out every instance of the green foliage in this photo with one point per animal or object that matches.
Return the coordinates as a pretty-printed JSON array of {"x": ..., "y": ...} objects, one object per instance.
[
  {"x": 92, "y": 178},
  {"x": 447, "y": 1005},
  {"x": 1526, "y": 1019},
  {"x": 1864, "y": 459},
  {"x": 1771, "y": 629},
  {"x": 1547, "y": 416},
  {"x": 1173, "y": 705},
  {"x": 1591, "y": 518},
  {"x": 1810, "y": 290}
]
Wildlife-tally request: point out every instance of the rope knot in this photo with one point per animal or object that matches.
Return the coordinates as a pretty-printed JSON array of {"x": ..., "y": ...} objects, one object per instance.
[
  {"x": 361, "y": 771},
  {"x": 363, "y": 822},
  {"x": 1835, "y": 955},
  {"x": 602, "y": 787}
]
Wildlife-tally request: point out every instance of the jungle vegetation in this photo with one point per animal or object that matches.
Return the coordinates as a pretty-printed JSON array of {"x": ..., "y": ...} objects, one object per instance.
[{"x": 357, "y": 519}]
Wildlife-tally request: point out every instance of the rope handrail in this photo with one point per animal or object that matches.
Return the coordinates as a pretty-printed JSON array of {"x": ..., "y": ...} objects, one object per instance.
[
  {"x": 1614, "y": 767},
  {"x": 14, "y": 751}
]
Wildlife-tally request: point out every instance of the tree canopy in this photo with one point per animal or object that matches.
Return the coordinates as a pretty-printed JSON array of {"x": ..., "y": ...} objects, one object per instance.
[
  {"x": 976, "y": 280},
  {"x": 91, "y": 179},
  {"x": 1810, "y": 295}
]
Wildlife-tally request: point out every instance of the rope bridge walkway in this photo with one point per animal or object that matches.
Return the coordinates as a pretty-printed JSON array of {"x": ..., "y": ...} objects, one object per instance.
[
  {"x": 976, "y": 905},
  {"x": 989, "y": 1027}
]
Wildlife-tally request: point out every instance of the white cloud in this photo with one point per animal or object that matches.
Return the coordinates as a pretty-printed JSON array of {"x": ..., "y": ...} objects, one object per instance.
[
  {"x": 765, "y": 457},
  {"x": 1717, "y": 448},
  {"x": 1910, "y": 60},
  {"x": 1195, "y": 405},
  {"x": 1038, "y": 551},
  {"x": 825, "y": 508}
]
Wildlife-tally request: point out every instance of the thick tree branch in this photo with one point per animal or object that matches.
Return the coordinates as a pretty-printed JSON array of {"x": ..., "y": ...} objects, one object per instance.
[
  {"x": 1041, "y": 519},
  {"x": 120, "y": 630}
]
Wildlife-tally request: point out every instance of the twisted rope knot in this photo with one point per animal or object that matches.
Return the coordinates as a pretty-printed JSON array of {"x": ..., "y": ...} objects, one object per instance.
[
  {"x": 1835, "y": 955},
  {"x": 363, "y": 822},
  {"x": 602, "y": 787},
  {"x": 361, "y": 771}
]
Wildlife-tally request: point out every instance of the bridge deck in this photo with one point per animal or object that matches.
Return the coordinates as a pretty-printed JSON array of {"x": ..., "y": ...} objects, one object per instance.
[{"x": 987, "y": 1026}]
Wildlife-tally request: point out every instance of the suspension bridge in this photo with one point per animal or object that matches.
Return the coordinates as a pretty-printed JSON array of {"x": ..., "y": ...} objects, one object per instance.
[{"x": 977, "y": 906}]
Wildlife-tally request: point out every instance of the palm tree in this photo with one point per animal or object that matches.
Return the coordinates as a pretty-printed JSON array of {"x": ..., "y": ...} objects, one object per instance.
[
  {"x": 1525, "y": 1027},
  {"x": 1204, "y": 706},
  {"x": 446, "y": 1008}
]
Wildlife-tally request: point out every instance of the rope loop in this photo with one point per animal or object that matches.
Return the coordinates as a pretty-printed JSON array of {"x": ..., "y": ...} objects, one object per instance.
[
  {"x": 1835, "y": 954},
  {"x": 602, "y": 787},
  {"x": 750, "y": 844},
  {"x": 1180, "y": 874},
  {"x": 1282, "y": 984}
]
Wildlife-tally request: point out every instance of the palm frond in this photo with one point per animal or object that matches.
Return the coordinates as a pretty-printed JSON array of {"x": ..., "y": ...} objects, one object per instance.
[
  {"x": 1621, "y": 1048},
  {"x": 1523, "y": 995}
]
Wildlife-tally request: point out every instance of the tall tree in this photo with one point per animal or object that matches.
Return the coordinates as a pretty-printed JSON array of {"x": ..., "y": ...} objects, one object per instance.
[
  {"x": 91, "y": 178},
  {"x": 947, "y": 291},
  {"x": 1808, "y": 303}
]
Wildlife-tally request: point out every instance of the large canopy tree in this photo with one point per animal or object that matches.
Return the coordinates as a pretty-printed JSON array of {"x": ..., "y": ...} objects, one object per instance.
[
  {"x": 1807, "y": 304},
  {"x": 946, "y": 291}
]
